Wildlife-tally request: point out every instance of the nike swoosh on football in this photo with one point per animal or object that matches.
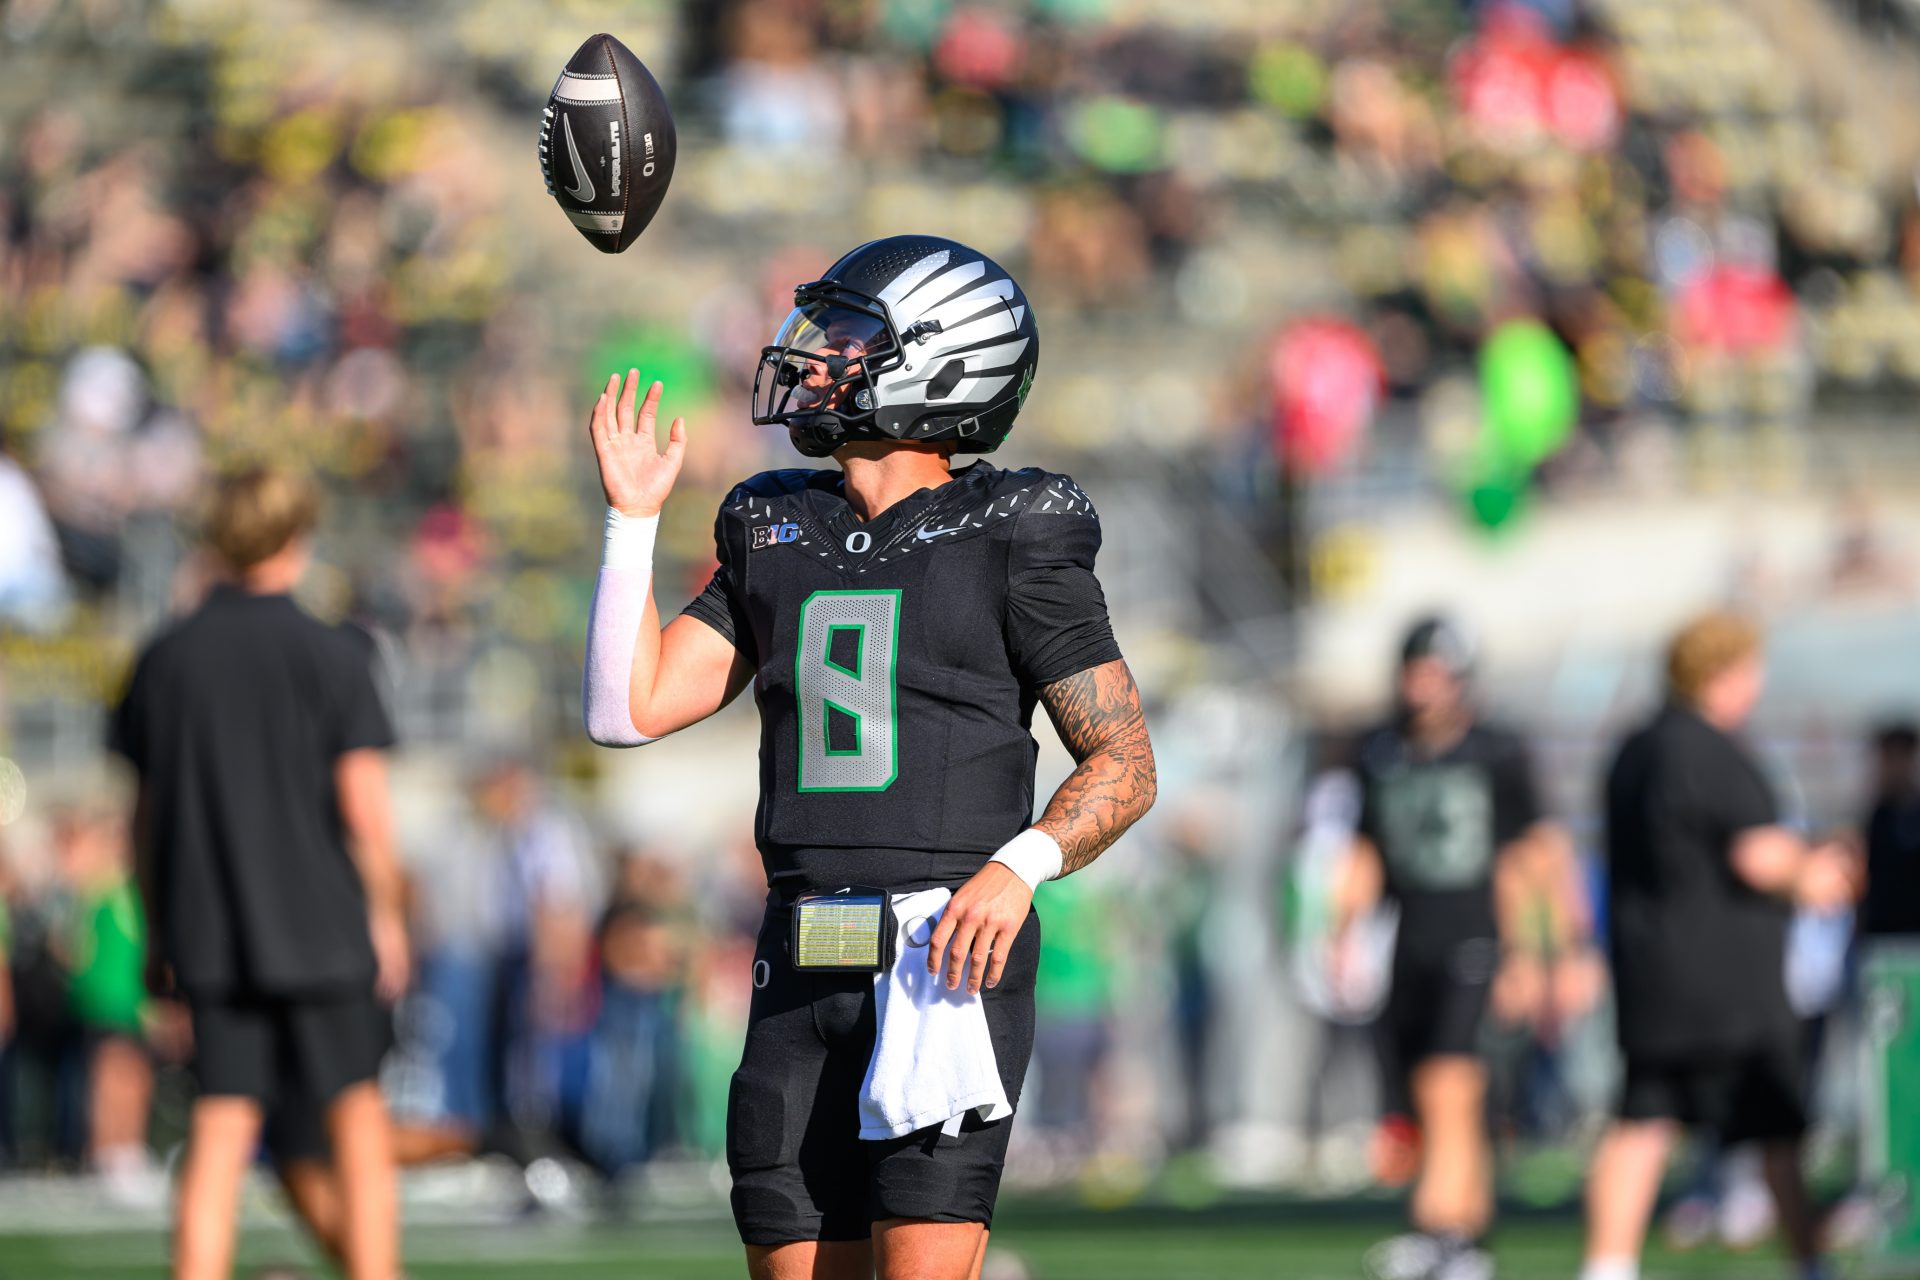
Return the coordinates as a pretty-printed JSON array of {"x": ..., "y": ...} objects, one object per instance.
[
  {"x": 925, "y": 534},
  {"x": 582, "y": 190}
]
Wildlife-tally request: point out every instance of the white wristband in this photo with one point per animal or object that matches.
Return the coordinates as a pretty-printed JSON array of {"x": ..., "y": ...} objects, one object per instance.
[
  {"x": 1033, "y": 855},
  {"x": 629, "y": 543}
]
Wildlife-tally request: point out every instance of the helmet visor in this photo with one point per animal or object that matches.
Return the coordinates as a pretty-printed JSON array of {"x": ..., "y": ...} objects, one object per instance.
[{"x": 823, "y": 360}]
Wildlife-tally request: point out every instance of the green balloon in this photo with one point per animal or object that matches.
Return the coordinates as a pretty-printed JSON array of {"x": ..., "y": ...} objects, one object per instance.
[
  {"x": 1495, "y": 491},
  {"x": 1289, "y": 77},
  {"x": 1118, "y": 135},
  {"x": 1530, "y": 392}
]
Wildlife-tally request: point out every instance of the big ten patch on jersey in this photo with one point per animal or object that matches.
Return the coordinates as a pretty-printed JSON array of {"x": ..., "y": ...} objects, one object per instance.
[{"x": 768, "y": 535}]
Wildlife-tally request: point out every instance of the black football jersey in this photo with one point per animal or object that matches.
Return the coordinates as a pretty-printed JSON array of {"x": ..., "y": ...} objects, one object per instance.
[
  {"x": 1440, "y": 823},
  {"x": 897, "y": 662}
]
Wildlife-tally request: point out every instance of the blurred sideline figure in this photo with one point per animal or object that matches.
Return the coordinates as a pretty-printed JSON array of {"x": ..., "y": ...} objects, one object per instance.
[
  {"x": 1704, "y": 879},
  {"x": 1891, "y": 908},
  {"x": 104, "y": 962},
  {"x": 1452, "y": 831},
  {"x": 265, "y": 857}
]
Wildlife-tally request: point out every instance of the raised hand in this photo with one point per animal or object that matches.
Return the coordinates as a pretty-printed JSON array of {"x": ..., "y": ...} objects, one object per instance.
[{"x": 635, "y": 473}]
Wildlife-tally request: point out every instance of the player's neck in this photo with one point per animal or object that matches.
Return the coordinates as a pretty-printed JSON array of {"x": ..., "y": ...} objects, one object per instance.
[
  {"x": 1439, "y": 731},
  {"x": 877, "y": 476},
  {"x": 277, "y": 575}
]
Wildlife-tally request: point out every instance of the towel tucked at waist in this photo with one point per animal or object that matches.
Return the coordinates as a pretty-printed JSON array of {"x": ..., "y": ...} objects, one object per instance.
[{"x": 932, "y": 1053}]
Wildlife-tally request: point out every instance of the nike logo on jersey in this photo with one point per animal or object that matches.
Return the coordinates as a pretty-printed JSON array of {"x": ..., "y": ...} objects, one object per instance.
[
  {"x": 582, "y": 188},
  {"x": 927, "y": 534}
]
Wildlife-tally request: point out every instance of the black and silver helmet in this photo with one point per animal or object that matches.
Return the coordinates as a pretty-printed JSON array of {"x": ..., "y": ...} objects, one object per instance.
[{"x": 907, "y": 338}]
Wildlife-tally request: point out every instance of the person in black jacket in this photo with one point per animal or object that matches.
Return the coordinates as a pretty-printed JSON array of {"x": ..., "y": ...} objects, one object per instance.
[
  {"x": 265, "y": 856},
  {"x": 1704, "y": 878}
]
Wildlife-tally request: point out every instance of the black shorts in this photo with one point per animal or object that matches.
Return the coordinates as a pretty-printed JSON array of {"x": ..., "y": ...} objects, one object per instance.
[
  {"x": 287, "y": 1051},
  {"x": 1757, "y": 1096},
  {"x": 800, "y": 1169},
  {"x": 1434, "y": 1008}
]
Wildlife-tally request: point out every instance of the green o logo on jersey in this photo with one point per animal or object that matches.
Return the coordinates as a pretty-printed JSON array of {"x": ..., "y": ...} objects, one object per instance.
[{"x": 847, "y": 691}]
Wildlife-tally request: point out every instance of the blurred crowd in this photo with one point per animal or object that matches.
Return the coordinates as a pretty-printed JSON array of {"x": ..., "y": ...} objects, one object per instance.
[{"x": 1272, "y": 240}]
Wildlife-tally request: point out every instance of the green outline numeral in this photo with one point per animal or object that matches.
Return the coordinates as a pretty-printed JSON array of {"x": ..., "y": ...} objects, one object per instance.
[
  {"x": 859, "y": 630},
  {"x": 868, "y": 692},
  {"x": 829, "y": 706}
]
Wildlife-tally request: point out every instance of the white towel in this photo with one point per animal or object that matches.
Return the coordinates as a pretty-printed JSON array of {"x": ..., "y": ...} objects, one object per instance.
[{"x": 932, "y": 1054}]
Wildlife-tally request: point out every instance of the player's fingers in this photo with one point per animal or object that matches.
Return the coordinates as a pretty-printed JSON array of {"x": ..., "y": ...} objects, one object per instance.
[
  {"x": 597, "y": 423},
  {"x": 603, "y": 421},
  {"x": 651, "y": 405},
  {"x": 985, "y": 944},
  {"x": 957, "y": 953},
  {"x": 627, "y": 393},
  {"x": 999, "y": 965},
  {"x": 676, "y": 441},
  {"x": 937, "y": 940}
]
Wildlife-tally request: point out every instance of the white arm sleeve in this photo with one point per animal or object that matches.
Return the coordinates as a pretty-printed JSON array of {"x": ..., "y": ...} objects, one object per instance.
[{"x": 613, "y": 628}]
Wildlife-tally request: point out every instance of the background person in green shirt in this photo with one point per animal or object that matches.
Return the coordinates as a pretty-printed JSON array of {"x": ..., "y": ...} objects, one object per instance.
[
  {"x": 1073, "y": 1014},
  {"x": 105, "y": 954}
]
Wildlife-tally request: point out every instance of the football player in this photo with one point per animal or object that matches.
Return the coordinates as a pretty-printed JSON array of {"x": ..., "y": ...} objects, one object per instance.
[
  {"x": 1450, "y": 829},
  {"x": 898, "y": 619}
]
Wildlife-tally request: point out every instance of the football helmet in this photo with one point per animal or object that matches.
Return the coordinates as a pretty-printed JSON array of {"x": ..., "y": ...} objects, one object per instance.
[{"x": 906, "y": 338}]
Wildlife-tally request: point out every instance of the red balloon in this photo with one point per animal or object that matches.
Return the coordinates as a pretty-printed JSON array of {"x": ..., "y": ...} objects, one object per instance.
[
  {"x": 1327, "y": 378},
  {"x": 1736, "y": 308},
  {"x": 1514, "y": 81}
]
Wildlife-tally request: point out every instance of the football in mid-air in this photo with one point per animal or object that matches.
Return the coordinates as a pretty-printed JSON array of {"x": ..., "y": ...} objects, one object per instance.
[{"x": 607, "y": 143}]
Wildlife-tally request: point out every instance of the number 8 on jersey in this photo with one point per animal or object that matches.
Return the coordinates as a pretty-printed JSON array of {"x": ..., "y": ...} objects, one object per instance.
[{"x": 845, "y": 683}]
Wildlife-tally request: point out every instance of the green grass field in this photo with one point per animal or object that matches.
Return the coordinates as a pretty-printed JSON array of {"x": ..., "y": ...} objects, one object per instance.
[{"x": 1293, "y": 1242}]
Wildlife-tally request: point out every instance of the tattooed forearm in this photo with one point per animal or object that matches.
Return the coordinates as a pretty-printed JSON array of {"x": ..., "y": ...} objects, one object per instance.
[{"x": 1097, "y": 714}]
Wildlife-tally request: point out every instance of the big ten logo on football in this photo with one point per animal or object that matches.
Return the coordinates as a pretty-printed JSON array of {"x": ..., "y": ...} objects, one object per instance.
[{"x": 769, "y": 534}]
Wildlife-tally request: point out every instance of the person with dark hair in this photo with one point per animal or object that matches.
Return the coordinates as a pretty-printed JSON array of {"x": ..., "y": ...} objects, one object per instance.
[
  {"x": 1704, "y": 878},
  {"x": 264, "y": 853},
  {"x": 1450, "y": 829}
]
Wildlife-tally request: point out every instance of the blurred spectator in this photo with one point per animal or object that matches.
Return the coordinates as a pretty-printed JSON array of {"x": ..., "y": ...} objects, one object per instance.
[
  {"x": 550, "y": 895},
  {"x": 106, "y": 961},
  {"x": 1187, "y": 906},
  {"x": 504, "y": 925},
  {"x": 32, "y": 585},
  {"x": 1891, "y": 906},
  {"x": 1073, "y": 1015},
  {"x": 634, "y": 1086}
]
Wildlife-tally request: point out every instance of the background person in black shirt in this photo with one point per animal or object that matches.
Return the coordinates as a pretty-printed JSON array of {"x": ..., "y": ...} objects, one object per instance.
[
  {"x": 1452, "y": 831},
  {"x": 265, "y": 856},
  {"x": 1703, "y": 880},
  {"x": 1892, "y": 831}
]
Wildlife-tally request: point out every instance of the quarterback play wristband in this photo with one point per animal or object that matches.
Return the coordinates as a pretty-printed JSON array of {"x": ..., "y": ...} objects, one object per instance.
[
  {"x": 613, "y": 628},
  {"x": 1032, "y": 855}
]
